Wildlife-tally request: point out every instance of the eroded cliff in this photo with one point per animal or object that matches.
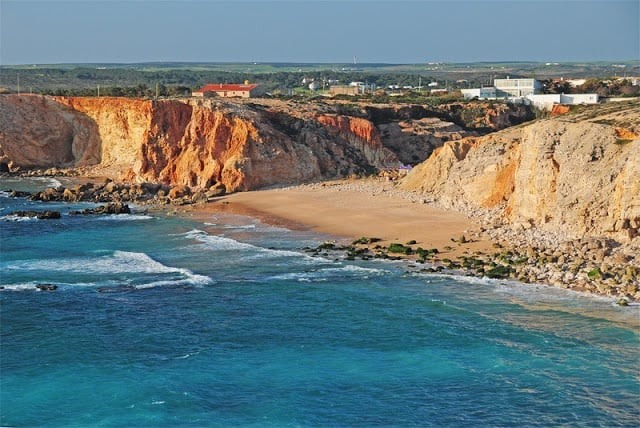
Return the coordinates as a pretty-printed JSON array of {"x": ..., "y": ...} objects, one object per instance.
[
  {"x": 572, "y": 178},
  {"x": 192, "y": 142},
  {"x": 244, "y": 144}
]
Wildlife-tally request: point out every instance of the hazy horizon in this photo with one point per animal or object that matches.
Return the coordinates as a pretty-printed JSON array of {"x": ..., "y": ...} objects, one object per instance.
[{"x": 317, "y": 32}]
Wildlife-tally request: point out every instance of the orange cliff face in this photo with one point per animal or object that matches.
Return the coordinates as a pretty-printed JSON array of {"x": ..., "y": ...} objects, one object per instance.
[
  {"x": 364, "y": 134},
  {"x": 192, "y": 142}
]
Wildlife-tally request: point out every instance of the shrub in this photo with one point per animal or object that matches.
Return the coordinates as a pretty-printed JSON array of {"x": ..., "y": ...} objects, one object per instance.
[
  {"x": 399, "y": 248},
  {"x": 498, "y": 272}
]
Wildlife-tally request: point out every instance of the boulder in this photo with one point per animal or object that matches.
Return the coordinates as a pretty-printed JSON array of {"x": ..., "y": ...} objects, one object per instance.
[
  {"x": 18, "y": 194},
  {"x": 151, "y": 188},
  {"x": 179, "y": 191},
  {"x": 218, "y": 189},
  {"x": 109, "y": 208},
  {"x": 199, "y": 197},
  {"x": 69, "y": 195}
]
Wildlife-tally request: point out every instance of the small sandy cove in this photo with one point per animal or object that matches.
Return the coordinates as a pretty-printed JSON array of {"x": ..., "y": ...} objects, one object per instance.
[{"x": 357, "y": 208}]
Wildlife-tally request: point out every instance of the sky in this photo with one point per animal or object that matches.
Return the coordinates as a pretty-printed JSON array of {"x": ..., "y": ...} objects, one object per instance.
[{"x": 308, "y": 31}]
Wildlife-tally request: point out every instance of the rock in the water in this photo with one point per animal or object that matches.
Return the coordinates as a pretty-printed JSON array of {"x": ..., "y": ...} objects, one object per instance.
[
  {"x": 47, "y": 287},
  {"x": 18, "y": 194},
  {"x": 40, "y": 215},
  {"x": 109, "y": 208}
]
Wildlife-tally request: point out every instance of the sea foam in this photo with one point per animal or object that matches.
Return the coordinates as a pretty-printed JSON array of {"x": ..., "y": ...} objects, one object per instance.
[
  {"x": 120, "y": 263},
  {"x": 124, "y": 217},
  {"x": 333, "y": 272},
  {"x": 221, "y": 243}
]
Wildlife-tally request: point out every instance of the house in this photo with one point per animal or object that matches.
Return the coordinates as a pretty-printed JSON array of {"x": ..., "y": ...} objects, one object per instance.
[
  {"x": 505, "y": 88},
  {"x": 547, "y": 101},
  {"x": 344, "y": 90},
  {"x": 517, "y": 87},
  {"x": 526, "y": 91},
  {"x": 227, "y": 90},
  {"x": 485, "y": 93}
]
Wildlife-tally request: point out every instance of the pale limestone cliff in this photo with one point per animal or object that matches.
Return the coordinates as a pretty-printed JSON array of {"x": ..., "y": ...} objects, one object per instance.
[
  {"x": 572, "y": 179},
  {"x": 40, "y": 132}
]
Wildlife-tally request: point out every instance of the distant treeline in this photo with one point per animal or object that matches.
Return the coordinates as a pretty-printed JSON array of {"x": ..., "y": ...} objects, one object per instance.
[
  {"x": 137, "y": 82},
  {"x": 132, "y": 82}
]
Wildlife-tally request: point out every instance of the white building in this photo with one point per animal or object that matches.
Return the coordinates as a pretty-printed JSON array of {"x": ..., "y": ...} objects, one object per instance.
[
  {"x": 526, "y": 91},
  {"x": 517, "y": 87},
  {"x": 486, "y": 93},
  {"x": 547, "y": 101}
]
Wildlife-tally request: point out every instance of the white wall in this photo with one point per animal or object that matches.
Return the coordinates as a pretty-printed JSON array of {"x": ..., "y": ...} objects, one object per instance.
[
  {"x": 579, "y": 98},
  {"x": 546, "y": 101}
]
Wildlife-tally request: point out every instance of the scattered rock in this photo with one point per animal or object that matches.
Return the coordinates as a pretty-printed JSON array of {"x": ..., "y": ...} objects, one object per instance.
[
  {"x": 40, "y": 215},
  {"x": 109, "y": 208},
  {"x": 179, "y": 191}
]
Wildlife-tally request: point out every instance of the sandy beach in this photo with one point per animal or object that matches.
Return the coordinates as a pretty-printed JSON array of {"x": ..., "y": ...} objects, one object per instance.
[{"x": 358, "y": 208}]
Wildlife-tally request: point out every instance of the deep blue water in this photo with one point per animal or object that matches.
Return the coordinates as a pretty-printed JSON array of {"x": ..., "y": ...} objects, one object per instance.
[{"x": 224, "y": 321}]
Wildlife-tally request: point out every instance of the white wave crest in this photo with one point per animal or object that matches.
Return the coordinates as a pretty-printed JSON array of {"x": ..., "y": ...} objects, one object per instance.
[
  {"x": 32, "y": 285},
  {"x": 13, "y": 217},
  {"x": 48, "y": 181},
  {"x": 221, "y": 243},
  {"x": 124, "y": 217},
  {"x": 324, "y": 274},
  {"x": 19, "y": 287},
  {"x": 120, "y": 262},
  {"x": 236, "y": 226}
]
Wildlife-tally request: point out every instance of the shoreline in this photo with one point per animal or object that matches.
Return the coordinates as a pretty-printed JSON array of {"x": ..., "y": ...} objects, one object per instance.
[
  {"x": 463, "y": 245},
  {"x": 370, "y": 218},
  {"x": 352, "y": 209}
]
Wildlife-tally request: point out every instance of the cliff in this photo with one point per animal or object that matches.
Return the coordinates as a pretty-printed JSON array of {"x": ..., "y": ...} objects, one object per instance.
[
  {"x": 573, "y": 177},
  {"x": 192, "y": 142},
  {"x": 244, "y": 144},
  {"x": 40, "y": 132}
]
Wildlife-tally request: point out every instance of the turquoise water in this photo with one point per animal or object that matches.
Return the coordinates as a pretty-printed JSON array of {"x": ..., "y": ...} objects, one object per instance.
[{"x": 225, "y": 321}]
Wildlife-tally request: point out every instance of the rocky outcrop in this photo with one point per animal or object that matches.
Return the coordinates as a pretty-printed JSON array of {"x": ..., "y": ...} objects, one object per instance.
[
  {"x": 363, "y": 135},
  {"x": 573, "y": 180},
  {"x": 40, "y": 215},
  {"x": 413, "y": 140}
]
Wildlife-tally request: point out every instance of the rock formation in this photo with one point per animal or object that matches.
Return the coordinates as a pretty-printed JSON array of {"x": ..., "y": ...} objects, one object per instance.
[
  {"x": 37, "y": 132},
  {"x": 572, "y": 178}
]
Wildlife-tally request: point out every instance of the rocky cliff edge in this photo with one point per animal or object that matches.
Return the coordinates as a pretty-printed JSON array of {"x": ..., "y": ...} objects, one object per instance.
[{"x": 575, "y": 177}]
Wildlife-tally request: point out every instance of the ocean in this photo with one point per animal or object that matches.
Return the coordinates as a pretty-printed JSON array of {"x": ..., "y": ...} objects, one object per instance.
[{"x": 167, "y": 320}]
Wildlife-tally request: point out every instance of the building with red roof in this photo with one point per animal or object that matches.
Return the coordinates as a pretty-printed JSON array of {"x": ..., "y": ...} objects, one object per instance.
[{"x": 226, "y": 90}]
